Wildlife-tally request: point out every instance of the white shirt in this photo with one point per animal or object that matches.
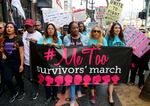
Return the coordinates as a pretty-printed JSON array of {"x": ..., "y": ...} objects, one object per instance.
[{"x": 26, "y": 36}]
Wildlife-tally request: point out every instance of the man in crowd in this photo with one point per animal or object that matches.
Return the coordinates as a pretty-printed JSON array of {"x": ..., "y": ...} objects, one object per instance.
[
  {"x": 38, "y": 27},
  {"x": 30, "y": 35}
]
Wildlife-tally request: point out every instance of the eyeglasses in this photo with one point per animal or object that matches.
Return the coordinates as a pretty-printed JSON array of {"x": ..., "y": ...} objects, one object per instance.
[{"x": 96, "y": 31}]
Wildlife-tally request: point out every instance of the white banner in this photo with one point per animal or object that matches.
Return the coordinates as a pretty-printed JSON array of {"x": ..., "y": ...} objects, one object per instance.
[{"x": 17, "y": 4}]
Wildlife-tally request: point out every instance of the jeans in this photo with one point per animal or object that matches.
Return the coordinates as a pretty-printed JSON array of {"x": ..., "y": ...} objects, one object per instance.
[
  {"x": 10, "y": 70},
  {"x": 72, "y": 92},
  {"x": 73, "y": 89},
  {"x": 28, "y": 76}
]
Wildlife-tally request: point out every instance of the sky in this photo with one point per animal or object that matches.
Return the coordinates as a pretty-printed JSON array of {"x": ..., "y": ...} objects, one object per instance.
[{"x": 130, "y": 6}]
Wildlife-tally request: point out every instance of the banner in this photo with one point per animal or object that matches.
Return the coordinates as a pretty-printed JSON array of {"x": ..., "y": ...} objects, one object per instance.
[
  {"x": 137, "y": 40},
  {"x": 114, "y": 10},
  {"x": 79, "y": 65}
]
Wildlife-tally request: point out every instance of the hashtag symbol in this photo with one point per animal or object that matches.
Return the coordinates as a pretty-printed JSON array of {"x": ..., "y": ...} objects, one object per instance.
[{"x": 49, "y": 54}]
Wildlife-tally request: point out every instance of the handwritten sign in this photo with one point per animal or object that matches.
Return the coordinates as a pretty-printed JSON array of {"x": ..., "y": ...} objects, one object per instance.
[
  {"x": 114, "y": 10},
  {"x": 56, "y": 17},
  {"x": 137, "y": 40},
  {"x": 79, "y": 15},
  {"x": 100, "y": 12},
  {"x": 79, "y": 65}
]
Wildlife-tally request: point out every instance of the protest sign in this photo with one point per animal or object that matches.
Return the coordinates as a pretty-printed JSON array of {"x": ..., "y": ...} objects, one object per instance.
[
  {"x": 79, "y": 65},
  {"x": 57, "y": 17},
  {"x": 79, "y": 15},
  {"x": 113, "y": 11},
  {"x": 137, "y": 40},
  {"x": 100, "y": 12}
]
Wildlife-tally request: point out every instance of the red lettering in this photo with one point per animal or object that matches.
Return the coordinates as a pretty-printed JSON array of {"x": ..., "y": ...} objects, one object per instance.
[
  {"x": 89, "y": 51},
  {"x": 101, "y": 60},
  {"x": 76, "y": 60}
]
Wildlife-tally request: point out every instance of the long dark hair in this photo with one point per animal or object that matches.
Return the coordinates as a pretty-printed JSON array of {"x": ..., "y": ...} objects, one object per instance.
[
  {"x": 55, "y": 36},
  {"x": 83, "y": 26},
  {"x": 15, "y": 28},
  {"x": 16, "y": 37},
  {"x": 111, "y": 32}
]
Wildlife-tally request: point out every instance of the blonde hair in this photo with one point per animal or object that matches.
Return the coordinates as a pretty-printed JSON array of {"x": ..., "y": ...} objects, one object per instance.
[{"x": 100, "y": 40}]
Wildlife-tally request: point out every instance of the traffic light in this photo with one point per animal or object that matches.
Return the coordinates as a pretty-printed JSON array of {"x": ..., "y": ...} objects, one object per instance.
[{"x": 142, "y": 15}]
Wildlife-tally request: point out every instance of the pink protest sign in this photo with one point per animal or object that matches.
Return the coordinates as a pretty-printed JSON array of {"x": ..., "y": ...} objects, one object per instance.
[{"x": 137, "y": 40}]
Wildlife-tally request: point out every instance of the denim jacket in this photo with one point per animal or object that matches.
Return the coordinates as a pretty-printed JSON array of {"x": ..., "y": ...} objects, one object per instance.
[{"x": 67, "y": 40}]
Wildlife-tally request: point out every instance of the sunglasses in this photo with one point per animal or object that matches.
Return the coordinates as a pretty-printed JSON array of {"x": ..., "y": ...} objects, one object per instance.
[{"x": 96, "y": 31}]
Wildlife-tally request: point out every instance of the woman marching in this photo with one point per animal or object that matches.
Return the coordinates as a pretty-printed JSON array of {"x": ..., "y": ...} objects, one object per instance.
[
  {"x": 115, "y": 38},
  {"x": 96, "y": 40},
  {"x": 14, "y": 51},
  {"x": 75, "y": 38},
  {"x": 50, "y": 38},
  {"x": 96, "y": 37}
]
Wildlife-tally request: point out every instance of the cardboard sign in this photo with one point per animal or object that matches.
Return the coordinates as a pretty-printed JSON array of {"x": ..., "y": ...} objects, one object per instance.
[
  {"x": 79, "y": 15},
  {"x": 114, "y": 10},
  {"x": 100, "y": 12},
  {"x": 56, "y": 17}
]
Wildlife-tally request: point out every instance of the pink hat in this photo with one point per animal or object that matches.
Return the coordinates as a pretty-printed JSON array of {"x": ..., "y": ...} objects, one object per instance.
[{"x": 29, "y": 22}]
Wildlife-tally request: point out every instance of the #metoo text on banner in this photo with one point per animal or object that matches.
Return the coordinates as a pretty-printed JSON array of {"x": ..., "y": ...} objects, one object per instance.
[{"x": 79, "y": 65}]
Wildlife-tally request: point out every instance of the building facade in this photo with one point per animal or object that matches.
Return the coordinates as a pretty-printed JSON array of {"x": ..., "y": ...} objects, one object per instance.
[{"x": 32, "y": 9}]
